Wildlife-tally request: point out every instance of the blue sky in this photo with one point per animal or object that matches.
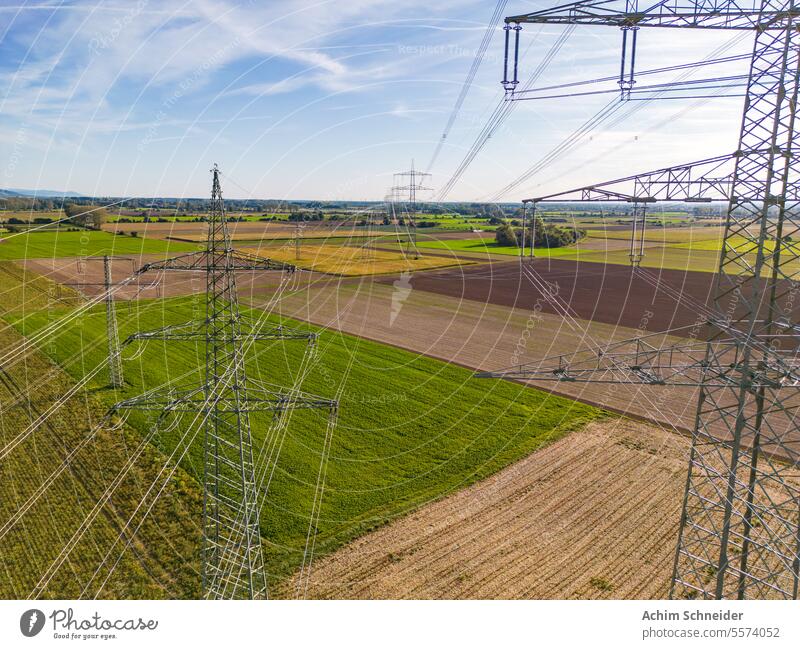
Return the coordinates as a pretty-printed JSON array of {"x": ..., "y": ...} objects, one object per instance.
[{"x": 318, "y": 99}]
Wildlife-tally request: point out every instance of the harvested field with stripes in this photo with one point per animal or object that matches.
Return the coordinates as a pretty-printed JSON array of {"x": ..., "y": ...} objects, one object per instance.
[{"x": 591, "y": 516}]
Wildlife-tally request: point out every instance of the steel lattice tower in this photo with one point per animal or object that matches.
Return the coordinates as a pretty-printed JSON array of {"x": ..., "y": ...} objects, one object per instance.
[
  {"x": 740, "y": 524},
  {"x": 415, "y": 184},
  {"x": 233, "y": 564},
  {"x": 112, "y": 332}
]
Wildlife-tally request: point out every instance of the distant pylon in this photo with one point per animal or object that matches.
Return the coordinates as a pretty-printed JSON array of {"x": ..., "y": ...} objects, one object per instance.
[{"x": 414, "y": 185}]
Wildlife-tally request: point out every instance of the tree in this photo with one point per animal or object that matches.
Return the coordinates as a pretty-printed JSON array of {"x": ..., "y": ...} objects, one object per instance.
[
  {"x": 504, "y": 235},
  {"x": 86, "y": 216}
]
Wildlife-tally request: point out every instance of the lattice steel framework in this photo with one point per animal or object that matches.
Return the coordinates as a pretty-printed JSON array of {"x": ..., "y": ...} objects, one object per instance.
[
  {"x": 112, "y": 331},
  {"x": 233, "y": 564},
  {"x": 740, "y": 524},
  {"x": 416, "y": 180}
]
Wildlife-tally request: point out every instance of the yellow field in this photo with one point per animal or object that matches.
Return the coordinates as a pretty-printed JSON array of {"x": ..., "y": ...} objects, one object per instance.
[
  {"x": 664, "y": 235},
  {"x": 352, "y": 260}
]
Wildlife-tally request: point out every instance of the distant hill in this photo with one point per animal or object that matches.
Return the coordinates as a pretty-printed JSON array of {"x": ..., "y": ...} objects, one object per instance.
[{"x": 41, "y": 193}]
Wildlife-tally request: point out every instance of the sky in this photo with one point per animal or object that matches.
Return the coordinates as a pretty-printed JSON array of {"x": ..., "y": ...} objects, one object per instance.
[{"x": 319, "y": 99}]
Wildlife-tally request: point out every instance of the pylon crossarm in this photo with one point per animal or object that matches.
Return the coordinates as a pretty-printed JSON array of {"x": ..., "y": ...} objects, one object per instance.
[
  {"x": 254, "y": 329},
  {"x": 248, "y": 330},
  {"x": 247, "y": 261},
  {"x": 270, "y": 392},
  {"x": 161, "y": 399},
  {"x": 204, "y": 261},
  {"x": 702, "y": 181},
  {"x": 250, "y": 399},
  {"x": 730, "y": 14},
  {"x": 681, "y": 364}
]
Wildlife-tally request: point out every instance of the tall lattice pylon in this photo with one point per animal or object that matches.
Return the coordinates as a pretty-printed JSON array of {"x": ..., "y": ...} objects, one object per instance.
[
  {"x": 233, "y": 563},
  {"x": 740, "y": 524},
  {"x": 112, "y": 331}
]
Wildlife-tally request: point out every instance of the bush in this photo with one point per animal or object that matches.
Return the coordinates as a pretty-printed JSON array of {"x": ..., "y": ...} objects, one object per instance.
[
  {"x": 505, "y": 235},
  {"x": 547, "y": 235},
  {"x": 86, "y": 216}
]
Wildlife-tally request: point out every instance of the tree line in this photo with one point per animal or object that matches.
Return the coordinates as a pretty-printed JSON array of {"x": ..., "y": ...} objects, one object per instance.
[{"x": 546, "y": 235}]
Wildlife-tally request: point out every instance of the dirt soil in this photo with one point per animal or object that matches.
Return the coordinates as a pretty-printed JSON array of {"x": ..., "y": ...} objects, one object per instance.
[
  {"x": 591, "y": 516},
  {"x": 481, "y": 337},
  {"x": 86, "y": 277},
  {"x": 608, "y": 293},
  {"x": 611, "y": 294}
]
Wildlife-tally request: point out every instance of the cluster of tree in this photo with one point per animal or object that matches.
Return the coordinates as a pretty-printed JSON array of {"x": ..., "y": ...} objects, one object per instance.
[
  {"x": 25, "y": 203},
  {"x": 315, "y": 215},
  {"x": 547, "y": 235},
  {"x": 86, "y": 216}
]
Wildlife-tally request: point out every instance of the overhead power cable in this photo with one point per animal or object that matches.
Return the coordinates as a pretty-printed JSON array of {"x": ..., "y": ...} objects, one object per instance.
[
  {"x": 501, "y": 113},
  {"x": 476, "y": 63},
  {"x": 642, "y": 73},
  {"x": 610, "y": 110},
  {"x": 714, "y": 83}
]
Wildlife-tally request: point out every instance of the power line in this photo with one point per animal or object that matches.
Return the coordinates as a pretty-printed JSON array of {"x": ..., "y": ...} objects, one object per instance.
[
  {"x": 467, "y": 84},
  {"x": 608, "y": 111},
  {"x": 501, "y": 113}
]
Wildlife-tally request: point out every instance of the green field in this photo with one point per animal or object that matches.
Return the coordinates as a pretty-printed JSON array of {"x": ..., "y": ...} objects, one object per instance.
[
  {"x": 659, "y": 257},
  {"x": 489, "y": 247},
  {"x": 691, "y": 249},
  {"x": 411, "y": 429},
  {"x": 85, "y": 243},
  {"x": 164, "y": 560},
  {"x": 685, "y": 235},
  {"x": 668, "y": 257}
]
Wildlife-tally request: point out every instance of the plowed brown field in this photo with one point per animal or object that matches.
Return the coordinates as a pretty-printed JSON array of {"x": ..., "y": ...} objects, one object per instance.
[{"x": 593, "y": 515}]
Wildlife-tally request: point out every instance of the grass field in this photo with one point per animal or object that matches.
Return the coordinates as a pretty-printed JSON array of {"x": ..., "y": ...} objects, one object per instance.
[
  {"x": 51, "y": 478},
  {"x": 686, "y": 235},
  {"x": 660, "y": 257},
  {"x": 411, "y": 429},
  {"x": 690, "y": 249},
  {"x": 489, "y": 247},
  {"x": 30, "y": 215},
  {"x": 351, "y": 260},
  {"x": 85, "y": 243}
]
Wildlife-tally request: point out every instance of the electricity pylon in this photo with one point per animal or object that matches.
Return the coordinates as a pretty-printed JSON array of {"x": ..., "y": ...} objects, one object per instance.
[
  {"x": 739, "y": 534},
  {"x": 233, "y": 563},
  {"x": 112, "y": 332},
  {"x": 415, "y": 184}
]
